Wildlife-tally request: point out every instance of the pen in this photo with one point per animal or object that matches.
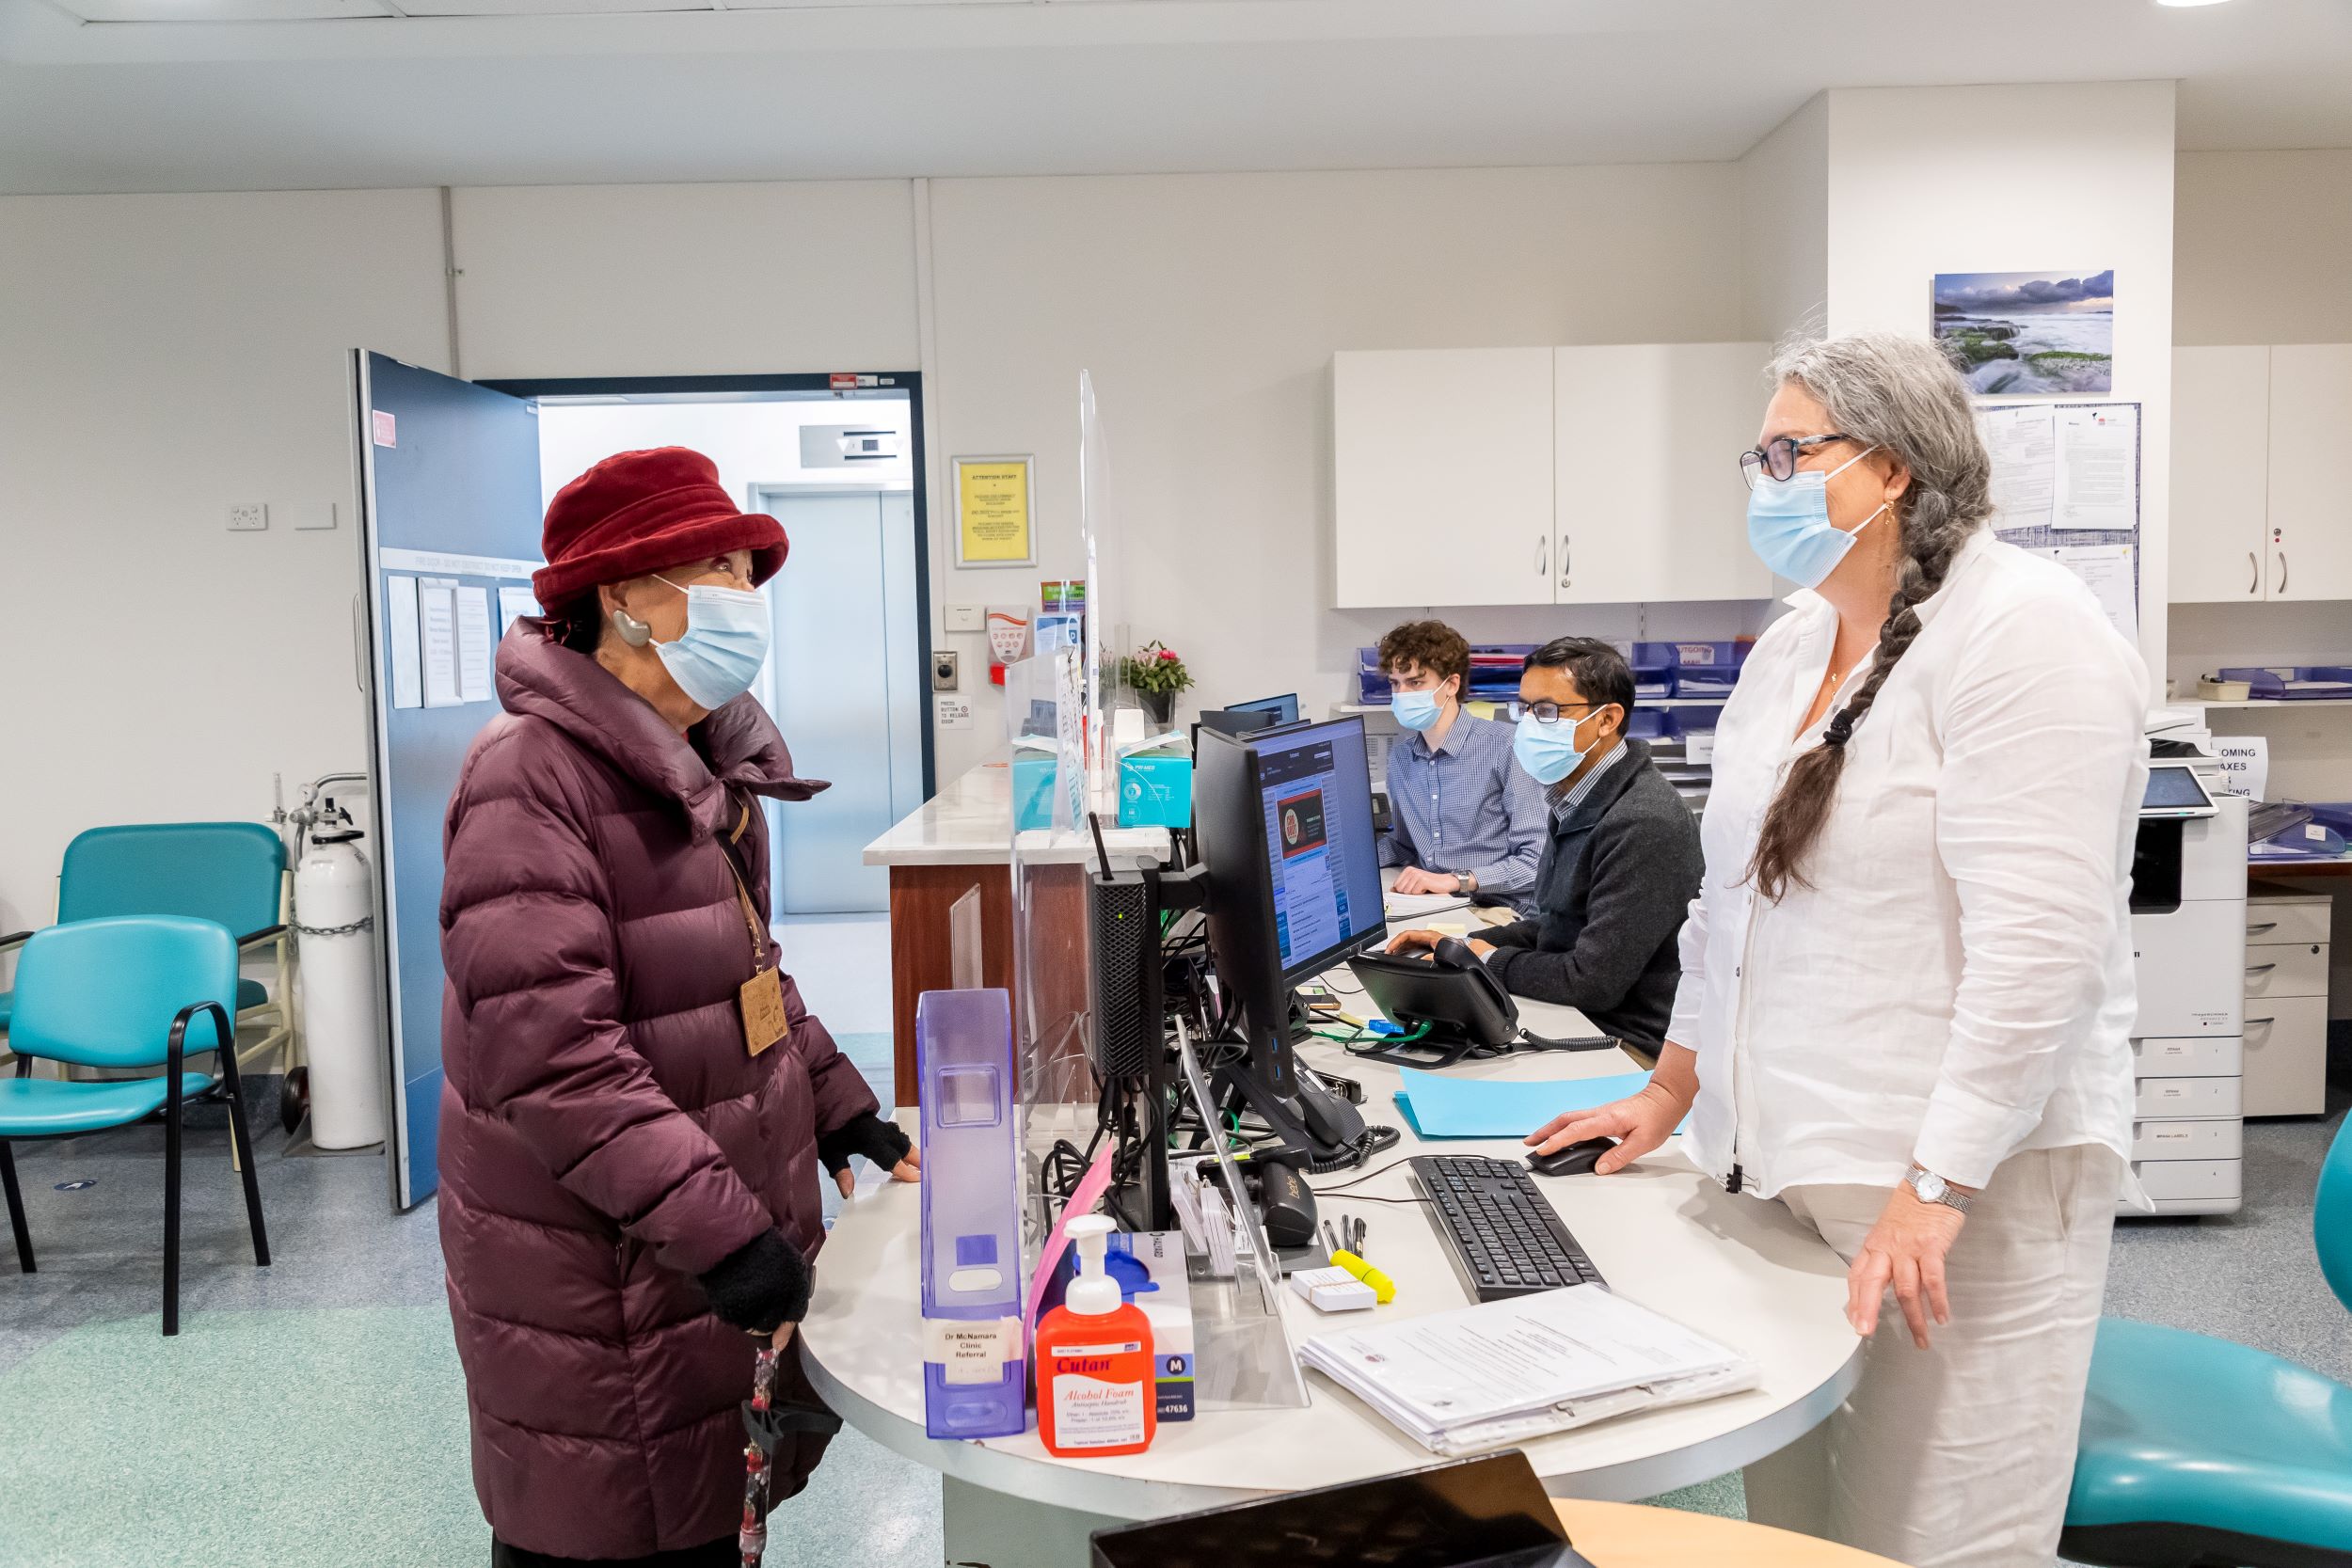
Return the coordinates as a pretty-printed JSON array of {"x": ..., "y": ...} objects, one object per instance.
[{"x": 1383, "y": 1287}]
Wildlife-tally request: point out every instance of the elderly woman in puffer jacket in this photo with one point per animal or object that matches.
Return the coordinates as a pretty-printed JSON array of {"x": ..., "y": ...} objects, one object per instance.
[{"x": 637, "y": 1100}]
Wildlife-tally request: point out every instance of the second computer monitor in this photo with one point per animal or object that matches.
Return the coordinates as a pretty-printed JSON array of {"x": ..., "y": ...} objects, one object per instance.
[{"x": 1283, "y": 709}]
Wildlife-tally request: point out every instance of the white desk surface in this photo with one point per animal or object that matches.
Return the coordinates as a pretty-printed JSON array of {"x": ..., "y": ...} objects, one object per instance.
[
  {"x": 969, "y": 822},
  {"x": 1737, "y": 1269}
]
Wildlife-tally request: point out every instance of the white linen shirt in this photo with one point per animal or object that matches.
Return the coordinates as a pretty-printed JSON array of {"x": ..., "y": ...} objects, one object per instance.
[{"x": 1956, "y": 984}]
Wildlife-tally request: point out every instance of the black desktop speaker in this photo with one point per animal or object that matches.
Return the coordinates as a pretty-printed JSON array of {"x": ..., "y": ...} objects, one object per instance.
[{"x": 1122, "y": 911}]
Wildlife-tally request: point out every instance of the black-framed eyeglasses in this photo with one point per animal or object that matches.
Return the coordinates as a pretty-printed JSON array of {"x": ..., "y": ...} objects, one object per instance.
[
  {"x": 1551, "y": 713},
  {"x": 1778, "y": 458}
]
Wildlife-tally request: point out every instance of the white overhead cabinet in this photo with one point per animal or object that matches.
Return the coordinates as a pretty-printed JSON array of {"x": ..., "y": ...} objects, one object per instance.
[
  {"x": 1442, "y": 476},
  {"x": 2260, "y": 508},
  {"x": 1650, "y": 506},
  {"x": 2311, "y": 505},
  {"x": 2220, "y": 474},
  {"x": 1584, "y": 475}
]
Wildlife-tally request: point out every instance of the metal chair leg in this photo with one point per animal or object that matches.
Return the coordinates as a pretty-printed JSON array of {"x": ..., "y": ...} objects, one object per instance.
[
  {"x": 16, "y": 1209},
  {"x": 170, "y": 1202},
  {"x": 241, "y": 1143}
]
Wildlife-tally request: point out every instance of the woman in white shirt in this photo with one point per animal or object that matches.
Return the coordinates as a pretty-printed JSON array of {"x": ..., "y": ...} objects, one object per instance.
[{"x": 1907, "y": 979}]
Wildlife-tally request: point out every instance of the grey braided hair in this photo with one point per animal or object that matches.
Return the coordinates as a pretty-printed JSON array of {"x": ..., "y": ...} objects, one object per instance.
[{"x": 1902, "y": 394}]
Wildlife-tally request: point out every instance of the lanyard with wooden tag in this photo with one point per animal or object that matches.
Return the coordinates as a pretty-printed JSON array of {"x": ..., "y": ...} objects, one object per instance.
[{"x": 759, "y": 999}]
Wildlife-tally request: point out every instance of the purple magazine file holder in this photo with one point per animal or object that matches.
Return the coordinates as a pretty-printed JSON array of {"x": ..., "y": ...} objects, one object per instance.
[{"x": 972, "y": 1270}]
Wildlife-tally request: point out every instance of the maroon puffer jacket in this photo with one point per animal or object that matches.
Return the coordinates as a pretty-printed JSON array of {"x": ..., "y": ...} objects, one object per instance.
[{"x": 605, "y": 1138}]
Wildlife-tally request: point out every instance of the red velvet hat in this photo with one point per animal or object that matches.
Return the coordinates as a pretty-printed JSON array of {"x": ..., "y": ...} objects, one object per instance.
[{"x": 638, "y": 512}]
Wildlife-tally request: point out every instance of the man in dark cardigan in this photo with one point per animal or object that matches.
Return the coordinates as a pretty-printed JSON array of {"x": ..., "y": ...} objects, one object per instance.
[{"x": 1620, "y": 866}]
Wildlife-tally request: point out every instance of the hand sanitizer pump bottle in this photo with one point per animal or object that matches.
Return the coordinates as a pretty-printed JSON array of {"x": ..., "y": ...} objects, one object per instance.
[{"x": 1095, "y": 1390}]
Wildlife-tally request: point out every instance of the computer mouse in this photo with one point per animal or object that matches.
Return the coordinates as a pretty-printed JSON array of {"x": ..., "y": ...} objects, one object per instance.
[{"x": 1575, "y": 1160}]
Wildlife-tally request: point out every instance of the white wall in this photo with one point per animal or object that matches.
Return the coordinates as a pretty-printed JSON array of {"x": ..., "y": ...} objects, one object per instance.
[
  {"x": 166, "y": 356},
  {"x": 1207, "y": 308},
  {"x": 1992, "y": 179},
  {"x": 686, "y": 280},
  {"x": 1784, "y": 225}
]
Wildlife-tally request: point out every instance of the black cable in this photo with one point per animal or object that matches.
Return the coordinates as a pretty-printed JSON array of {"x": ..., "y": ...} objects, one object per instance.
[{"x": 1369, "y": 1174}]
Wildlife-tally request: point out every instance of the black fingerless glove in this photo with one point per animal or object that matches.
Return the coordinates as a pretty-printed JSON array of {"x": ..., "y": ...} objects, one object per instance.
[
  {"x": 761, "y": 1286},
  {"x": 865, "y": 1133}
]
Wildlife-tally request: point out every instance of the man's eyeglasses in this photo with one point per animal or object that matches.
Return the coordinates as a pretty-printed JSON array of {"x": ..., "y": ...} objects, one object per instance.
[
  {"x": 1551, "y": 713},
  {"x": 1779, "y": 458}
]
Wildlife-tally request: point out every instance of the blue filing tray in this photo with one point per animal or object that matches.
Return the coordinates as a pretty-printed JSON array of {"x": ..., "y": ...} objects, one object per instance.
[
  {"x": 1690, "y": 718},
  {"x": 1653, "y": 666},
  {"x": 2270, "y": 681},
  {"x": 1702, "y": 669},
  {"x": 1653, "y": 724}
]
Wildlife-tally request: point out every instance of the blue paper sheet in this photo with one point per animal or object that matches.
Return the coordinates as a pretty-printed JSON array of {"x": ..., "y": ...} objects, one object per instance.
[{"x": 1441, "y": 1106}]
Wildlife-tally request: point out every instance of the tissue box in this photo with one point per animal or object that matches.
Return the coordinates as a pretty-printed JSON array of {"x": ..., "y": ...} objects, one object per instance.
[
  {"x": 1156, "y": 789},
  {"x": 1150, "y": 1268},
  {"x": 1033, "y": 775}
]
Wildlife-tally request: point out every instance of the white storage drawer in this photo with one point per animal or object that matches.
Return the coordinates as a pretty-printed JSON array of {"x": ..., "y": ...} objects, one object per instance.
[
  {"x": 2188, "y": 1140},
  {"x": 2299, "y": 969},
  {"x": 2208, "y": 1056},
  {"x": 2187, "y": 1098},
  {"x": 2271, "y": 920},
  {"x": 2286, "y": 1056},
  {"x": 2189, "y": 1180}
]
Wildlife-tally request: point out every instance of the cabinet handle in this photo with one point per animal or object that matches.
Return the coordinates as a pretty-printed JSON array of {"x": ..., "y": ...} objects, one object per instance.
[
  {"x": 2254, "y": 569},
  {"x": 2266, "y": 926},
  {"x": 2282, "y": 571},
  {"x": 2260, "y": 969},
  {"x": 2261, "y": 1020},
  {"x": 1564, "y": 561},
  {"x": 1543, "y": 557}
]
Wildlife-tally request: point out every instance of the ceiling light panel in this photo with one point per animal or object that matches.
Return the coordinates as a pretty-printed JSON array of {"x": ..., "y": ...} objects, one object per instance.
[{"x": 224, "y": 11}]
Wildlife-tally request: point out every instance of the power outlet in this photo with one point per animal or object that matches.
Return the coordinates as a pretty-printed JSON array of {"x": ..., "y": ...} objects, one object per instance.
[{"x": 247, "y": 516}]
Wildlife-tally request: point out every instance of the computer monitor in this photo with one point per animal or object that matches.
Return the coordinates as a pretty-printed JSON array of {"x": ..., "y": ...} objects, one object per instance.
[
  {"x": 1284, "y": 708},
  {"x": 1234, "y": 721},
  {"x": 1292, "y": 870}
]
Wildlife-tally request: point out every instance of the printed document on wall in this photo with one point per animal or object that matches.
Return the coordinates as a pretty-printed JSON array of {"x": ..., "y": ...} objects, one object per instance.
[
  {"x": 436, "y": 626},
  {"x": 399, "y": 627},
  {"x": 515, "y": 602},
  {"x": 2113, "y": 577},
  {"x": 2098, "y": 466},
  {"x": 474, "y": 642},
  {"x": 2022, "y": 444}
]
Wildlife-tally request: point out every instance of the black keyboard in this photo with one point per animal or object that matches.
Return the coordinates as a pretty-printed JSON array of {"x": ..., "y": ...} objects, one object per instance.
[{"x": 1504, "y": 1238}]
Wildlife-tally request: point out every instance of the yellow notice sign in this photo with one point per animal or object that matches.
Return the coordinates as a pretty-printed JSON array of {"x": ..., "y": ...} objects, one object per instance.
[{"x": 992, "y": 511}]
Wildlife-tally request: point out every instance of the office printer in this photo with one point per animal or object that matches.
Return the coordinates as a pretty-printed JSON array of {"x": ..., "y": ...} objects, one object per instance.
[{"x": 2188, "y": 942}]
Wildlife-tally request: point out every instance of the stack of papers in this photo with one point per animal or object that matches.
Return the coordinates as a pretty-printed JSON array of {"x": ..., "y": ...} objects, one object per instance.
[
  {"x": 1420, "y": 906},
  {"x": 1509, "y": 1371}
]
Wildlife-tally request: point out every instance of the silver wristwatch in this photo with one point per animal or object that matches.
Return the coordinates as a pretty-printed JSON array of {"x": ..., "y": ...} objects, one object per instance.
[
  {"x": 1931, "y": 1188},
  {"x": 1462, "y": 883}
]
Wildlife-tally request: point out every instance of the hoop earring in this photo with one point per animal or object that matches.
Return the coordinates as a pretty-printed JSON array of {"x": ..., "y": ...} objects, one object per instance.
[{"x": 633, "y": 631}]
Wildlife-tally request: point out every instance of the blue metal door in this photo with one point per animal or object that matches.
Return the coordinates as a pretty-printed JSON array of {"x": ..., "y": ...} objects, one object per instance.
[{"x": 450, "y": 492}]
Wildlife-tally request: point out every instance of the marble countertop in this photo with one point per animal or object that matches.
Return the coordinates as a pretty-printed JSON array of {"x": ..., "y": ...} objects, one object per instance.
[{"x": 969, "y": 822}]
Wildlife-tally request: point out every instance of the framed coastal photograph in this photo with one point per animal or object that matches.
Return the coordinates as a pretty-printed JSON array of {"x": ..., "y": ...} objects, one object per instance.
[{"x": 2019, "y": 333}]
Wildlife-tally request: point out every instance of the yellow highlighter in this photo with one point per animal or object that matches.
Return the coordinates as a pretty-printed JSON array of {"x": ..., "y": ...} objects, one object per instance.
[{"x": 1383, "y": 1287}]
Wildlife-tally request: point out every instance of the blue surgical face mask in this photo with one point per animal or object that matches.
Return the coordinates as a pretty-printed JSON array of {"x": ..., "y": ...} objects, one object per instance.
[
  {"x": 1415, "y": 710},
  {"x": 724, "y": 645},
  {"x": 1789, "y": 525},
  {"x": 1547, "y": 752}
]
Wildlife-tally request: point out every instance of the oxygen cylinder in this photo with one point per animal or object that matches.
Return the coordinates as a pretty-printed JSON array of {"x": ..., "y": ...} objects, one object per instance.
[{"x": 334, "y": 919}]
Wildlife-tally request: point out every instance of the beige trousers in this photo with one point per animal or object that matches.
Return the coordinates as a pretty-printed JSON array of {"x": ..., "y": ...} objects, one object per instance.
[{"x": 1961, "y": 1455}]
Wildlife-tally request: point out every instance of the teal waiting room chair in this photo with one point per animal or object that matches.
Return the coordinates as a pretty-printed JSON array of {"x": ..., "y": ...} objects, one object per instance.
[
  {"x": 132, "y": 991},
  {"x": 229, "y": 872},
  {"x": 2201, "y": 1453}
]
